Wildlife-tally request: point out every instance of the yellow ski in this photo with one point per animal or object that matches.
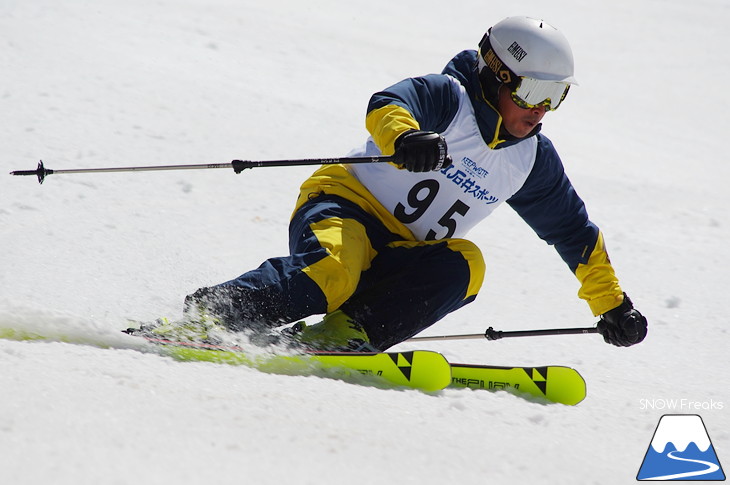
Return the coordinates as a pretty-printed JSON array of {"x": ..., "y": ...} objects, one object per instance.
[
  {"x": 552, "y": 383},
  {"x": 420, "y": 369}
]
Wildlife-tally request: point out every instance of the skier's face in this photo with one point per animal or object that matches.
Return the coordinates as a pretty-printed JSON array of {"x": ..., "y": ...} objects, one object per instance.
[{"x": 518, "y": 122}]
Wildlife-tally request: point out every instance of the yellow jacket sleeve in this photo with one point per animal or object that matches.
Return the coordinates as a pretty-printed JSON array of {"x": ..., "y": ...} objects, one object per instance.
[
  {"x": 599, "y": 284},
  {"x": 386, "y": 124}
]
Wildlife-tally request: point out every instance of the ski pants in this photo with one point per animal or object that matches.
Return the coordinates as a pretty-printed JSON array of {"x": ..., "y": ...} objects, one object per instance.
[{"x": 342, "y": 257}]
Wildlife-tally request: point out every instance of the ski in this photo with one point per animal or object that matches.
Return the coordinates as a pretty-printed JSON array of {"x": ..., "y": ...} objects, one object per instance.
[
  {"x": 420, "y": 369},
  {"x": 556, "y": 384}
]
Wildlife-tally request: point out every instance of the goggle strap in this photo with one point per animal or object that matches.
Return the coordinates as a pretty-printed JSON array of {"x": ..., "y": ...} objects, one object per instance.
[{"x": 489, "y": 59}]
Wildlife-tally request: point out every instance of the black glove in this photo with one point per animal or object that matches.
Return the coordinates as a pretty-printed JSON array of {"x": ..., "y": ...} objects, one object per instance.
[
  {"x": 623, "y": 326},
  {"x": 421, "y": 151}
]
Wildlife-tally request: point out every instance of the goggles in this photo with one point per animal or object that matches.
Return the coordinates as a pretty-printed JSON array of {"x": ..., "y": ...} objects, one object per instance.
[
  {"x": 531, "y": 93},
  {"x": 527, "y": 92}
]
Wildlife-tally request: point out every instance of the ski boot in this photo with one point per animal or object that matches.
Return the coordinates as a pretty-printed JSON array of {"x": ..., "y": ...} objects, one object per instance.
[{"x": 337, "y": 332}]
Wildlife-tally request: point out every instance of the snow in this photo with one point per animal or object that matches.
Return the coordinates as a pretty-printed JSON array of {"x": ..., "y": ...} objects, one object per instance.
[{"x": 95, "y": 83}]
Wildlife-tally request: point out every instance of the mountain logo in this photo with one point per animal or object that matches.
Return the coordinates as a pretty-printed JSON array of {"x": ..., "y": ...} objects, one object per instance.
[{"x": 681, "y": 450}]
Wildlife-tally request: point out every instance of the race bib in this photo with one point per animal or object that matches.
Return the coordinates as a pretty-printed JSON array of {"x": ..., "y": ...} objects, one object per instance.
[{"x": 448, "y": 203}]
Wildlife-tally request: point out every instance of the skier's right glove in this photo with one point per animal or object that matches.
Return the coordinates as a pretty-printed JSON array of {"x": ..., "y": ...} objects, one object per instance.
[
  {"x": 623, "y": 326},
  {"x": 421, "y": 151}
]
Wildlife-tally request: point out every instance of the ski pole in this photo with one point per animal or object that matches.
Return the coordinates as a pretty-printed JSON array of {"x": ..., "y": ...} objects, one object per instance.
[
  {"x": 238, "y": 166},
  {"x": 492, "y": 334}
]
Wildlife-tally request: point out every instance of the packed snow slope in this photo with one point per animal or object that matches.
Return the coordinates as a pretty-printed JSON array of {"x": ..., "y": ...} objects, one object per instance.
[{"x": 96, "y": 83}]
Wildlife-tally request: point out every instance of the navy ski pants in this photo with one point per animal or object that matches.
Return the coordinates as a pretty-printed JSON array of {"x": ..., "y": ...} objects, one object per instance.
[{"x": 342, "y": 257}]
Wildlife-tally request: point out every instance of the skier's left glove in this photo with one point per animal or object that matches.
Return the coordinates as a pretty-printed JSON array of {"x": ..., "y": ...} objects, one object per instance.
[
  {"x": 623, "y": 326},
  {"x": 421, "y": 151}
]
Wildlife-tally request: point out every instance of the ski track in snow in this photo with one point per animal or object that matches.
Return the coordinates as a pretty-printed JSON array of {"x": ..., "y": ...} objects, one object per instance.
[{"x": 101, "y": 83}]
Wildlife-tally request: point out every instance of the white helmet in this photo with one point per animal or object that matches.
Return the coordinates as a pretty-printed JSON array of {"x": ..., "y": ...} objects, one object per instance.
[{"x": 523, "y": 47}]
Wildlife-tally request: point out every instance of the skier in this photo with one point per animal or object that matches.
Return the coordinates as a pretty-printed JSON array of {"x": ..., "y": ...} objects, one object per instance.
[{"x": 378, "y": 248}]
